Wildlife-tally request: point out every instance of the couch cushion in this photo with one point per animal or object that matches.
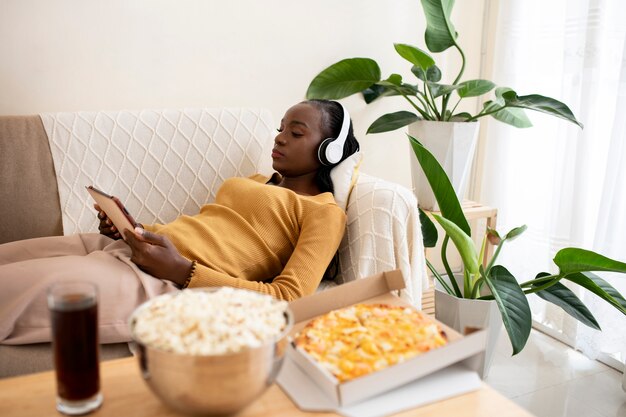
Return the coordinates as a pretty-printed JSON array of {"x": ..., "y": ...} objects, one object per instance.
[{"x": 29, "y": 201}]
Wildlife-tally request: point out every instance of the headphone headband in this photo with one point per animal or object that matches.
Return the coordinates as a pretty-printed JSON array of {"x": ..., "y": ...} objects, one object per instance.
[
  {"x": 331, "y": 149},
  {"x": 345, "y": 127}
]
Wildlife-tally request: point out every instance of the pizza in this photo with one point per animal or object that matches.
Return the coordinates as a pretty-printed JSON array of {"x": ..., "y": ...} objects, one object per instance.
[{"x": 363, "y": 338}]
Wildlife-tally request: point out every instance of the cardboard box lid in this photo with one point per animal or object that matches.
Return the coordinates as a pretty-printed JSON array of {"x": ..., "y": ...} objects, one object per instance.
[{"x": 306, "y": 308}]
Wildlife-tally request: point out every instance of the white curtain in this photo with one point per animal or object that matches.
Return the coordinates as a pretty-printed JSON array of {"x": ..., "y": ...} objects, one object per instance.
[{"x": 568, "y": 185}]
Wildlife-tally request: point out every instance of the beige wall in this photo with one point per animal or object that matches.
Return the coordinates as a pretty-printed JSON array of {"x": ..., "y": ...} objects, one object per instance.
[{"x": 68, "y": 55}]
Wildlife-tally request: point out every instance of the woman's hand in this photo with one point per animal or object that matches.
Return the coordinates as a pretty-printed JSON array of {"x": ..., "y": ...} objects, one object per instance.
[
  {"x": 106, "y": 226},
  {"x": 156, "y": 255}
]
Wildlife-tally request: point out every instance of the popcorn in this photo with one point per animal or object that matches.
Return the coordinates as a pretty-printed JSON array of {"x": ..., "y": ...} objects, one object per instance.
[{"x": 196, "y": 322}]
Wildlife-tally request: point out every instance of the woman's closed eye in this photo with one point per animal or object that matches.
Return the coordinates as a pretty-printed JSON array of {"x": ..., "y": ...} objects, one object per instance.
[{"x": 292, "y": 133}]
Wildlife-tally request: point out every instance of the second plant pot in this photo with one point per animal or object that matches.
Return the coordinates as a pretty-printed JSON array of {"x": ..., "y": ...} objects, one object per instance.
[{"x": 466, "y": 316}]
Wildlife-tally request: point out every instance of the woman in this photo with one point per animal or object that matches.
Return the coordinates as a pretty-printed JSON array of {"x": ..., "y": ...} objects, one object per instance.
[{"x": 273, "y": 235}]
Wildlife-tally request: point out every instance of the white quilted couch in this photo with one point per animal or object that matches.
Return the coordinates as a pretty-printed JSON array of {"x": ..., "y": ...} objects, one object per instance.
[{"x": 162, "y": 163}]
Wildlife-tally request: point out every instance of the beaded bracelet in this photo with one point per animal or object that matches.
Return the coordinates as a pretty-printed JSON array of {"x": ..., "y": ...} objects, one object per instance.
[{"x": 192, "y": 271}]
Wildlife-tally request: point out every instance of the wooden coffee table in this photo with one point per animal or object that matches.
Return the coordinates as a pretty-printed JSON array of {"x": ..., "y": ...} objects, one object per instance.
[{"x": 126, "y": 394}]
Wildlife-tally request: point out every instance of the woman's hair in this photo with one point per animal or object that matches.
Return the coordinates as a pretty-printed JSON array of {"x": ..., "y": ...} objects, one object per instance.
[{"x": 332, "y": 119}]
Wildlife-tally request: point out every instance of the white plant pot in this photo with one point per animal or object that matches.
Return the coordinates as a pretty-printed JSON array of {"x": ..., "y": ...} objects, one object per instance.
[
  {"x": 466, "y": 316},
  {"x": 453, "y": 145}
]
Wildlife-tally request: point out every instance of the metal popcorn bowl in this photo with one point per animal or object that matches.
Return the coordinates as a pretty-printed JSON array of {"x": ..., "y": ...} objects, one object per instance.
[{"x": 211, "y": 385}]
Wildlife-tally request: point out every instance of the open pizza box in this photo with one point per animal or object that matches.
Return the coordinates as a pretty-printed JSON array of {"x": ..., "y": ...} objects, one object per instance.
[{"x": 314, "y": 388}]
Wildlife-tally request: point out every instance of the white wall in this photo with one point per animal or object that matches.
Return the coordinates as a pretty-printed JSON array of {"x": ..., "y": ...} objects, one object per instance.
[{"x": 68, "y": 55}]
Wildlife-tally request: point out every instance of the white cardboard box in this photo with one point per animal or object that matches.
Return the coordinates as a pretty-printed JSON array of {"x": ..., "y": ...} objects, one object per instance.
[{"x": 376, "y": 289}]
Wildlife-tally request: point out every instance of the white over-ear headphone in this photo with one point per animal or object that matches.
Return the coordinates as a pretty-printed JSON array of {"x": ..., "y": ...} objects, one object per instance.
[{"x": 331, "y": 149}]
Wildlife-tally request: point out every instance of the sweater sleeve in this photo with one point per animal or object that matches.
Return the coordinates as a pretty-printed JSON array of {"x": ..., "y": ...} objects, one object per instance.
[{"x": 318, "y": 241}]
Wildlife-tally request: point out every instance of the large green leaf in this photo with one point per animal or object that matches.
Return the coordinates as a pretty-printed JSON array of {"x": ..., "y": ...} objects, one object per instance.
[
  {"x": 440, "y": 33},
  {"x": 429, "y": 231},
  {"x": 414, "y": 55},
  {"x": 581, "y": 260},
  {"x": 512, "y": 116},
  {"x": 512, "y": 304},
  {"x": 463, "y": 242},
  {"x": 541, "y": 104},
  {"x": 447, "y": 200},
  {"x": 563, "y": 297},
  {"x": 344, "y": 78},
  {"x": 474, "y": 88},
  {"x": 392, "y": 121},
  {"x": 599, "y": 287}
]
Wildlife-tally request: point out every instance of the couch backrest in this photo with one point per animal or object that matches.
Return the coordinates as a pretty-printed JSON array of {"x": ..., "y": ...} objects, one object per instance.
[
  {"x": 160, "y": 163},
  {"x": 163, "y": 163}
]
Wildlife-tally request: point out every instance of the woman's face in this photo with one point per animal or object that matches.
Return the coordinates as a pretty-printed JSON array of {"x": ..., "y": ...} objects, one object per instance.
[{"x": 299, "y": 136}]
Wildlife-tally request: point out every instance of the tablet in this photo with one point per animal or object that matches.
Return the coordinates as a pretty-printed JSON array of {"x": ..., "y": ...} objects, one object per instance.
[{"x": 114, "y": 209}]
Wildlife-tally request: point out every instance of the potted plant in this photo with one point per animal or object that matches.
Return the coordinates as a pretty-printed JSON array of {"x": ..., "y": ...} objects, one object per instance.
[
  {"x": 433, "y": 101},
  {"x": 494, "y": 283}
]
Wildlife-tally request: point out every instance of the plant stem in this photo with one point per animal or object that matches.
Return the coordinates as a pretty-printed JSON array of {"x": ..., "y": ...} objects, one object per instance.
[
  {"x": 483, "y": 246},
  {"x": 439, "y": 278},
  {"x": 494, "y": 257},
  {"x": 477, "y": 285},
  {"x": 467, "y": 290},
  {"x": 424, "y": 114},
  {"x": 481, "y": 114},
  {"x": 433, "y": 103},
  {"x": 538, "y": 280},
  {"x": 458, "y": 77},
  {"x": 421, "y": 97},
  {"x": 446, "y": 265},
  {"x": 454, "y": 108},
  {"x": 456, "y": 80},
  {"x": 547, "y": 281},
  {"x": 544, "y": 286}
]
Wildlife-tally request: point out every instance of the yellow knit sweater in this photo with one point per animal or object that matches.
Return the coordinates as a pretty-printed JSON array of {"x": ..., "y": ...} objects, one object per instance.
[{"x": 260, "y": 237}]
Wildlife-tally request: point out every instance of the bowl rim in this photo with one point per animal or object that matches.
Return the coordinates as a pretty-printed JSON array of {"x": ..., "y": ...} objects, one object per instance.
[{"x": 289, "y": 323}]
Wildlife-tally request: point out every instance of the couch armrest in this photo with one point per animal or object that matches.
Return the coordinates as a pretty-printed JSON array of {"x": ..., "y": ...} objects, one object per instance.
[
  {"x": 29, "y": 199},
  {"x": 383, "y": 233}
]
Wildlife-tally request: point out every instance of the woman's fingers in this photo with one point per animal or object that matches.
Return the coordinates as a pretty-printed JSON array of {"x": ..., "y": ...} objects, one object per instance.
[
  {"x": 156, "y": 255},
  {"x": 106, "y": 226},
  {"x": 151, "y": 238}
]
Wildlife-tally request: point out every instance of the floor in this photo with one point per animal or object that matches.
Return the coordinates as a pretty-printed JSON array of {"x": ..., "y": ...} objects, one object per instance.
[{"x": 551, "y": 380}]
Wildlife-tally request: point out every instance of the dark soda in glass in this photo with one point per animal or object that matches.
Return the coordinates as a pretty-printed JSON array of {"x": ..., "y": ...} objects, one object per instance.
[
  {"x": 75, "y": 330},
  {"x": 74, "y": 317}
]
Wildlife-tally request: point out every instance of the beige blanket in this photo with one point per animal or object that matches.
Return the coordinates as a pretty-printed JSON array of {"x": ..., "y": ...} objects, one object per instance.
[{"x": 28, "y": 268}]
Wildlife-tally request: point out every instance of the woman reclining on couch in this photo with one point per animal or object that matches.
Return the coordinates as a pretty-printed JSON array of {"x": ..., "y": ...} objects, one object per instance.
[{"x": 273, "y": 235}]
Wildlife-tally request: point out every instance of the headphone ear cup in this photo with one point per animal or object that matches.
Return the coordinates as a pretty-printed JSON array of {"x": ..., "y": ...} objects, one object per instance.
[{"x": 321, "y": 151}]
